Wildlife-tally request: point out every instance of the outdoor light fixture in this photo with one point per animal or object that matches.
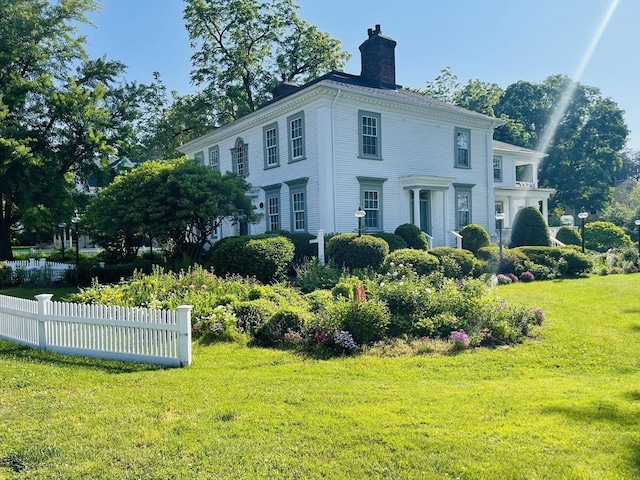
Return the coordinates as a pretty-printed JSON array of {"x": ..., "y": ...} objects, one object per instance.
[
  {"x": 359, "y": 214},
  {"x": 637, "y": 222},
  {"x": 76, "y": 220},
  {"x": 500, "y": 219},
  {"x": 582, "y": 215},
  {"x": 62, "y": 226}
]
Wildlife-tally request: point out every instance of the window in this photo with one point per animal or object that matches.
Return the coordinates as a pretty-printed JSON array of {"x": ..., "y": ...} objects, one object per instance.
[
  {"x": 270, "y": 139},
  {"x": 214, "y": 158},
  {"x": 369, "y": 135},
  {"x": 240, "y": 158},
  {"x": 497, "y": 168},
  {"x": 371, "y": 202},
  {"x": 272, "y": 202},
  {"x": 199, "y": 157},
  {"x": 296, "y": 137},
  {"x": 298, "y": 200},
  {"x": 463, "y": 137},
  {"x": 463, "y": 204}
]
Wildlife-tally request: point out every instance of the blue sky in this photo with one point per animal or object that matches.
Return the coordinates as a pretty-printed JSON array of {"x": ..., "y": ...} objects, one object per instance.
[{"x": 498, "y": 41}]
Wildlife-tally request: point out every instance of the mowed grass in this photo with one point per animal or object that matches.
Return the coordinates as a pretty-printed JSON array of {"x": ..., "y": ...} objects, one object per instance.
[{"x": 565, "y": 405}]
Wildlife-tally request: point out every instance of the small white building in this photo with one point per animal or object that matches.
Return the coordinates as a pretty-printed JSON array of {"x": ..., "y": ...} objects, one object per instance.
[{"x": 317, "y": 152}]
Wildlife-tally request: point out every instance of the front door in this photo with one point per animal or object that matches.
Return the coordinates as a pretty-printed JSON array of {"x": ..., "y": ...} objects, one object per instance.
[{"x": 425, "y": 211}]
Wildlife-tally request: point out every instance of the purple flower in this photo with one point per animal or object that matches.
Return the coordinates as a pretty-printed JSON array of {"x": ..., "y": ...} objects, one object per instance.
[
  {"x": 527, "y": 277},
  {"x": 344, "y": 340},
  {"x": 460, "y": 337}
]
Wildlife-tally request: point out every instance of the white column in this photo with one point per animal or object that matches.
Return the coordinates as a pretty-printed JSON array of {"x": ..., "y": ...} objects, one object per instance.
[
  {"x": 445, "y": 212},
  {"x": 511, "y": 213},
  {"x": 416, "y": 206}
]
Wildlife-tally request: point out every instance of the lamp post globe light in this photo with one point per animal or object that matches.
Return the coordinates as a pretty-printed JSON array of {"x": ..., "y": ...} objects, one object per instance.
[
  {"x": 76, "y": 220},
  {"x": 500, "y": 219},
  {"x": 637, "y": 223},
  {"x": 582, "y": 215},
  {"x": 360, "y": 213},
  {"x": 62, "y": 226}
]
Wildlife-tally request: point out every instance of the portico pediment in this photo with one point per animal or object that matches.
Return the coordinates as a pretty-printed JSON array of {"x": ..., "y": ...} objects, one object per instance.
[{"x": 427, "y": 182}]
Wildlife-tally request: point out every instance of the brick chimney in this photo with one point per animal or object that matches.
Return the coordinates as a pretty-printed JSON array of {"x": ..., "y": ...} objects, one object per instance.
[{"x": 378, "y": 60}]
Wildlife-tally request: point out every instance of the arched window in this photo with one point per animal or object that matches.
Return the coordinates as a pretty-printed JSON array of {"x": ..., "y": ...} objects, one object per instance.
[{"x": 240, "y": 158}]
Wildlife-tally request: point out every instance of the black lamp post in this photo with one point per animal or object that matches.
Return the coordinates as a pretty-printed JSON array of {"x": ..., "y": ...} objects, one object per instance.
[
  {"x": 637, "y": 222},
  {"x": 359, "y": 214},
  {"x": 500, "y": 219},
  {"x": 76, "y": 220},
  {"x": 63, "y": 227},
  {"x": 582, "y": 215}
]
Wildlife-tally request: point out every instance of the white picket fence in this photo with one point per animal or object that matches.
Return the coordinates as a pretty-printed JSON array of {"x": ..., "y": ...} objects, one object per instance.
[
  {"x": 46, "y": 270},
  {"x": 143, "y": 335}
]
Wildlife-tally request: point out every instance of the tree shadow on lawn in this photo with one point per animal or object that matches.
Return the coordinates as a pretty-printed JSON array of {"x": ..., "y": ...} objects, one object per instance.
[
  {"x": 610, "y": 413},
  {"x": 22, "y": 353}
]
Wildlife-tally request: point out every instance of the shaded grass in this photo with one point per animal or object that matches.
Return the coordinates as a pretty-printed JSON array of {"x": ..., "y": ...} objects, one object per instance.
[
  {"x": 566, "y": 405},
  {"x": 60, "y": 294}
]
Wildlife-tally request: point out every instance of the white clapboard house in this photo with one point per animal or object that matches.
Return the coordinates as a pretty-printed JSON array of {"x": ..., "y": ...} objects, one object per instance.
[{"x": 319, "y": 151}]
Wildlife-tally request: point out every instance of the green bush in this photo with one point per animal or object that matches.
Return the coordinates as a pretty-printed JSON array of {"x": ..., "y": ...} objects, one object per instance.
[
  {"x": 569, "y": 236},
  {"x": 252, "y": 315},
  {"x": 350, "y": 251},
  {"x": 319, "y": 300},
  {"x": 395, "y": 242},
  {"x": 474, "y": 237},
  {"x": 422, "y": 262},
  {"x": 463, "y": 258},
  {"x": 561, "y": 260},
  {"x": 302, "y": 248},
  {"x": 513, "y": 261},
  {"x": 413, "y": 236},
  {"x": 265, "y": 257},
  {"x": 365, "y": 321},
  {"x": 287, "y": 320},
  {"x": 529, "y": 228},
  {"x": 577, "y": 262},
  {"x": 310, "y": 276},
  {"x": 601, "y": 236}
]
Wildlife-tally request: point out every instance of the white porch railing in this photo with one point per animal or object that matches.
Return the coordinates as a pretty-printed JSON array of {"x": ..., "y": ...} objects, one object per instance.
[
  {"x": 161, "y": 337},
  {"x": 457, "y": 237},
  {"x": 429, "y": 240}
]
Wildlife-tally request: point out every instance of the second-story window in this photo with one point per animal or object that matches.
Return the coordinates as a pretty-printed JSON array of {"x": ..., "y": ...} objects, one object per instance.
[
  {"x": 214, "y": 158},
  {"x": 296, "y": 137},
  {"x": 369, "y": 135},
  {"x": 240, "y": 158},
  {"x": 497, "y": 168},
  {"x": 270, "y": 137},
  {"x": 463, "y": 139}
]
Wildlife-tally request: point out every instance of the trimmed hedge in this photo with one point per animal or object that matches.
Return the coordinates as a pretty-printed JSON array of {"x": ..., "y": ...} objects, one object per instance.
[
  {"x": 395, "y": 242},
  {"x": 265, "y": 257},
  {"x": 347, "y": 250},
  {"x": 601, "y": 236},
  {"x": 529, "y": 228},
  {"x": 413, "y": 236},
  {"x": 569, "y": 236},
  {"x": 474, "y": 237},
  {"x": 463, "y": 258},
  {"x": 565, "y": 261},
  {"x": 423, "y": 262}
]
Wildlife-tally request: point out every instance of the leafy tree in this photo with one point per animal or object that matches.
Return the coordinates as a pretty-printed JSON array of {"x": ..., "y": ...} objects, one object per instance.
[
  {"x": 529, "y": 228},
  {"x": 444, "y": 87},
  {"x": 178, "y": 203},
  {"x": 630, "y": 167},
  {"x": 61, "y": 114},
  {"x": 479, "y": 97},
  {"x": 243, "y": 48},
  {"x": 624, "y": 210}
]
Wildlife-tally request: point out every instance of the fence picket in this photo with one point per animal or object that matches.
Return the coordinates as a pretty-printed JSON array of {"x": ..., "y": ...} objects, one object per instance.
[{"x": 125, "y": 333}]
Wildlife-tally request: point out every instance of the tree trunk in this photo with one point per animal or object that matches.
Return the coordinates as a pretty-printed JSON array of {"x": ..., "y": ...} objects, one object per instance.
[{"x": 5, "y": 239}]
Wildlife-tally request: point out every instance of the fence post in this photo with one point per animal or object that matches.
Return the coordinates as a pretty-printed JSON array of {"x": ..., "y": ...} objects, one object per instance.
[
  {"x": 44, "y": 301},
  {"x": 184, "y": 326}
]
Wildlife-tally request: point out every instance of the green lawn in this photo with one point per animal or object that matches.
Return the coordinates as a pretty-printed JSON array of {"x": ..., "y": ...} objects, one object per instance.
[{"x": 566, "y": 405}]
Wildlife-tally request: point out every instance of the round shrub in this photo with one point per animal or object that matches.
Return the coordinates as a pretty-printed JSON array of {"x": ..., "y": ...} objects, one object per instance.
[
  {"x": 302, "y": 248},
  {"x": 350, "y": 251},
  {"x": 569, "y": 236},
  {"x": 253, "y": 314},
  {"x": 413, "y": 236},
  {"x": 490, "y": 253},
  {"x": 577, "y": 262},
  {"x": 601, "y": 236},
  {"x": 265, "y": 257},
  {"x": 529, "y": 228},
  {"x": 423, "y": 262},
  {"x": 463, "y": 258},
  {"x": 395, "y": 242},
  {"x": 513, "y": 261},
  {"x": 288, "y": 319},
  {"x": 474, "y": 237},
  {"x": 365, "y": 321}
]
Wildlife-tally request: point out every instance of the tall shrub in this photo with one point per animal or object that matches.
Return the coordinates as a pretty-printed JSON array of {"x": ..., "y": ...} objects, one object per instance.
[
  {"x": 351, "y": 251},
  {"x": 602, "y": 236},
  {"x": 474, "y": 237},
  {"x": 529, "y": 228},
  {"x": 413, "y": 236}
]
